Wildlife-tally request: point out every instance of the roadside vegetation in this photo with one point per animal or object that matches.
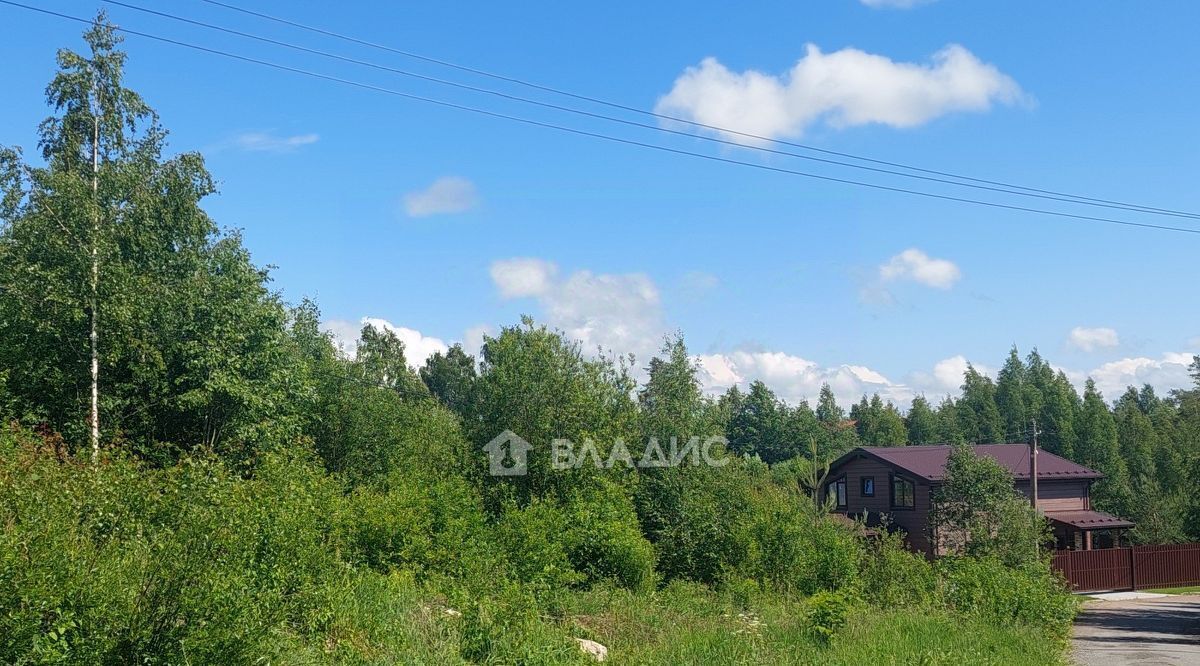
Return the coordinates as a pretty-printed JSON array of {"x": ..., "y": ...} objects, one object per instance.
[{"x": 257, "y": 495}]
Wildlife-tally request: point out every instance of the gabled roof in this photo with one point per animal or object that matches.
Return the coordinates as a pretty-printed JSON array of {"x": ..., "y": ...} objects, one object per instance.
[{"x": 929, "y": 462}]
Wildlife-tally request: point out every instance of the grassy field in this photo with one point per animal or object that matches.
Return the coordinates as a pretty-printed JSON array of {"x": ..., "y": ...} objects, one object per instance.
[
  {"x": 688, "y": 624},
  {"x": 685, "y": 624}
]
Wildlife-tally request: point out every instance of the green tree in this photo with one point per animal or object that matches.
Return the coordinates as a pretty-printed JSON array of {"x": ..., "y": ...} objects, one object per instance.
[
  {"x": 839, "y": 435},
  {"x": 1099, "y": 448},
  {"x": 978, "y": 417},
  {"x": 672, "y": 406},
  {"x": 878, "y": 424},
  {"x": 537, "y": 384},
  {"x": 380, "y": 359},
  {"x": 947, "y": 427},
  {"x": 450, "y": 377},
  {"x": 125, "y": 316},
  {"x": 757, "y": 429},
  {"x": 977, "y": 511},
  {"x": 1012, "y": 388},
  {"x": 801, "y": 433},
  {"x": 828, "y": 411},
  {"x": 921, "y": 422},
  {"x": 1059, "y": 414}
]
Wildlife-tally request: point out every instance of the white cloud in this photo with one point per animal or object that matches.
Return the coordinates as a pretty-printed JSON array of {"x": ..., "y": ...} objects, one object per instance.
[
  {"x": 417, "y": 346},
  {"x": 894, "y": 4},
  {"x": 267, "y": 142},
  {"x": 913, "y": 264},
  {"x": 1091, "y": 339},
  {"x": 447, "y": 195},
  {"x": 946, "y": 377},
  {"x": 617, "y": 312},
  {"x": 1165, "y": 373},
  {"x": 523, "y": 277},
  {"x": 794, "y": 378},
  {"x": 844, "y": 88}
]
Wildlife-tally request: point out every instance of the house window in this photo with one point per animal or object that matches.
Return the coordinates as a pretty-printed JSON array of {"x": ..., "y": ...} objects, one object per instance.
[
  {"x": 868, "y": 486},
  {"x": 904, "y": 493},
  {"x": 837, "y": 489}
]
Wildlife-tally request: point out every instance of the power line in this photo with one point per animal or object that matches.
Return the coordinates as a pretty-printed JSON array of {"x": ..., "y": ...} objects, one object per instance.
[
  {"x": 692, "y": 123},
  {"x": 606, "y": 137},
  {"x": 632, "y": 123}
]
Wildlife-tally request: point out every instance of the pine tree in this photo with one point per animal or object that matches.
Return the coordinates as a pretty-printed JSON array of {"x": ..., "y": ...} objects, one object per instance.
[
  {"x": 921, "y": 422},
  {"x": 1099, "y": 448},
  {"x": 1011, "y": 390},
  {"x": 978, "y": 416}
]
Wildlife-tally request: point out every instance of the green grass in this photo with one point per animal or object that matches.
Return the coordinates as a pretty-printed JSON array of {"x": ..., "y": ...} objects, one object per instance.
[
  {"x": 682, "y": 625},
  {"x": 1191, "y": 589},
  {"x": 689, "y": 625}
]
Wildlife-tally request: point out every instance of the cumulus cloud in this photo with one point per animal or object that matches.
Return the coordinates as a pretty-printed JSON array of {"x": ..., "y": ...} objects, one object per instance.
[
  {"x": 417, "y": 346},
  {"x": 794, "y": 378},
  {"x": 617, "y": 312},
  {"x": 843, "y": 89},
  {"x": 267, "y": 142},
  {"x": 1170, "y": 371},
  {"x": 447, "y": 195},
  {"x": 523, "y": 277},
  {"x": 1091, "y": 339},
  {"x": 916, "y": 266}
]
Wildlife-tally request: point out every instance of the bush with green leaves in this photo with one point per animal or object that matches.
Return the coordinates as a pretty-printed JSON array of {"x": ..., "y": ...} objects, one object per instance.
[
  {"x": 795, "y": 549},
  {"x": 603, "y": 539},
  {"x": 894, "y": 576},
  {"x": 119, "y": 563},
  {"x": 986, "y": 587},
  {"x": 696, "y": 518},
  {"x": 429, "y": 526}
]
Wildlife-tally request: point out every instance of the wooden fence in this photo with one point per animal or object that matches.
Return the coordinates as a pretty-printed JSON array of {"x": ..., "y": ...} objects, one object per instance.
[{"x": 1136, "y": 568}]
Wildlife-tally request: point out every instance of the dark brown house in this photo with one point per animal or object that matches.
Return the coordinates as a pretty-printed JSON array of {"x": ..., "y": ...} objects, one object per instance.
[{"x": 899, "y": 481}]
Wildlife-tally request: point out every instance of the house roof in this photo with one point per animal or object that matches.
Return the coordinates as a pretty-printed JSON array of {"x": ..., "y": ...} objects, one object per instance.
[
  {"x": 929, "y": 462},
  {"x": 1087, "y": 520}
]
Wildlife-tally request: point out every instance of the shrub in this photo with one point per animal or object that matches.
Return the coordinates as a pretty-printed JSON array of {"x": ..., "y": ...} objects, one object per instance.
[
  {"x": 530, "y": 539},
  {"x": 987, "y": 588},
  {"x": 603, "y": 539},
  {"x": 794, "y": 550},
  {"x": 894, "y": 576},
  {"x": 696, "y": 518},
  {"x": 118, "y": 563},
  {"x": 827, "y": 612},
  {"x": 431, "y": 527}
]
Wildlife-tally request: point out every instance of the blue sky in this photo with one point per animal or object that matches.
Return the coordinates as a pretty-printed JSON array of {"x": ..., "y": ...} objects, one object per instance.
[{"x": 448, "y": 224}]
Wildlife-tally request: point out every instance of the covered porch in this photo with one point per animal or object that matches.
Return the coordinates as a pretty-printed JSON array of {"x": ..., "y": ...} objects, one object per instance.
[{"x": 1087, "y": 530}]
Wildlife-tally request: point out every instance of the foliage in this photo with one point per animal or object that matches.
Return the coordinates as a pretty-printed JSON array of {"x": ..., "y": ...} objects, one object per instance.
[
  {"x": 978, "y": 512},
  {"x": 794, "y": 550},
  {"x": 192, "y": 347},
  {"x": 1029, "y": 594}
]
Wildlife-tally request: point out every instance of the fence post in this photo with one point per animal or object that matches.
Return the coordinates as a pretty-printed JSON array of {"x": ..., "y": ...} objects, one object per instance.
[{"x": 1133, "y": 567}]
